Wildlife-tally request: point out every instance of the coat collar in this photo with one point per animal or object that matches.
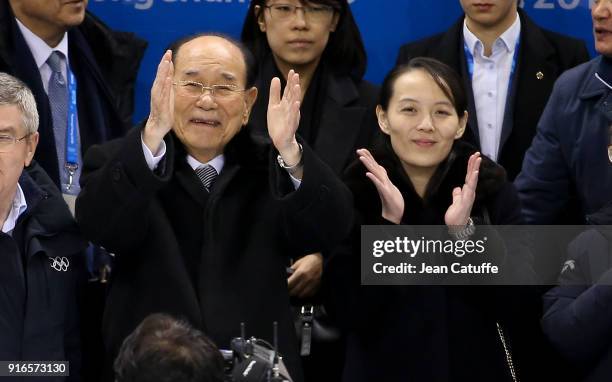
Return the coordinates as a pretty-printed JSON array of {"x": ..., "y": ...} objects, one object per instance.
[
  {"x": 341, "y": 122},
  {"x": 50, "y": 227},
  {"x": 592, "y": 86},
  {"x": 241, "y": 153}
]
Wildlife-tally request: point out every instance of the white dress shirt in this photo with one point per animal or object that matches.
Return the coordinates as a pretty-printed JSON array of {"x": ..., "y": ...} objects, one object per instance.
[
  {"x": 18, "y": 207},
  {"x": 490, "y": 84},
  {"x": 217, "y": 162},
  {"x": 41, "y": 52}
]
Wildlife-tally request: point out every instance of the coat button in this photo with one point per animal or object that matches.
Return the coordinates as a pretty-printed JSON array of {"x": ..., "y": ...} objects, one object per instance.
[
  {"x": 323, "y": 191},
  {"x": 116, "y": 174}
]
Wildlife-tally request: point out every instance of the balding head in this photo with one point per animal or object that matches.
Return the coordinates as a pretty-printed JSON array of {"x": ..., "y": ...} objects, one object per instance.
[{"x": 236, "y": 47}]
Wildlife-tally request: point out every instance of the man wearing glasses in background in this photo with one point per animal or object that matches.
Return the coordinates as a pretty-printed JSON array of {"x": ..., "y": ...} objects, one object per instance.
[{"x": 40, "y": 249}]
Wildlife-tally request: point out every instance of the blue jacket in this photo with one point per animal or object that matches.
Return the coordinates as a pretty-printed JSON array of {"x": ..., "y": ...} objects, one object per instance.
[
  {"x": 38, "y": 303},
  {"x": 578, "y": 313},
  {"x": 567, "y": 165}
]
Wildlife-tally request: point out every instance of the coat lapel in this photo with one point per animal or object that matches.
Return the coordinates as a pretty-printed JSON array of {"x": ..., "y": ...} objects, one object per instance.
[
  {"x": 535, "y": 75},
  {"x": 340, "y": 123}
]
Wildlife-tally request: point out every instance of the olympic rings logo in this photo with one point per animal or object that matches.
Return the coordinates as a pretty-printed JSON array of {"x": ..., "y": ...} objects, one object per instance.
[{"x": 60, "y": 264}]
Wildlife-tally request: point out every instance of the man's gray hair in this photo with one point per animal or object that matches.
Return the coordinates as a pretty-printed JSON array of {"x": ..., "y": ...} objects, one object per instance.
[{"x": 15, "y": 92}]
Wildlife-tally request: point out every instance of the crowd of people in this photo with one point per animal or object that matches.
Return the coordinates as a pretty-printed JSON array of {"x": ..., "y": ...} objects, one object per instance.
[{"x": 136, "y": 253}]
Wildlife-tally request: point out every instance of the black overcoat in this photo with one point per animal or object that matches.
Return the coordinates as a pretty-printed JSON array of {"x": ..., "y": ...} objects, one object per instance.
[
  {"x": 428, "y": 333},
  {"x": 245, "y": 230}
]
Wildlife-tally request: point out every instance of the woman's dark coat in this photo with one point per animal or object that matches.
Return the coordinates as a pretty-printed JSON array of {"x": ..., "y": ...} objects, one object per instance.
[{"x": 424, "y": 333}]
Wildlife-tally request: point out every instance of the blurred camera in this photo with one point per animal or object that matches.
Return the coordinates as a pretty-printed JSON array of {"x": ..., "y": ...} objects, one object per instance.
[{"x": 254, "y": 360}]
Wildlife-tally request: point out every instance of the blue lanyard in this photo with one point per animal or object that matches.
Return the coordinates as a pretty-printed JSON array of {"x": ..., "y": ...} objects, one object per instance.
[
  {"x": 470, "y": 61},
  {"x": 72, "y": 140}
]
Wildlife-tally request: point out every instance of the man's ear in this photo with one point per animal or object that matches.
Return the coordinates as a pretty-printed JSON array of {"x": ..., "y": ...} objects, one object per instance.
[
  {"x": 31, "y": 144},
  {"x": 383, "y": 122},
  {"x": 462, "y": 125},
  {"x": 259, "y": 16},
  {"x": 250, "y": 96}
]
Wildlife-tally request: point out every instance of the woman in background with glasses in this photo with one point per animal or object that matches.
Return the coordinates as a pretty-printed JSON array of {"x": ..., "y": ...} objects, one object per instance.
[{"x": 320, "y": 40}]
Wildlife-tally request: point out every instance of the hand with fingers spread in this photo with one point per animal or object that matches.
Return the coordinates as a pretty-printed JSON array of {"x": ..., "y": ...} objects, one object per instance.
[
  {"x": 306, "y": 277},
  {"x": 390, "y": 196},
  {"x": 161, "y": 116},
  {"x": 463, "y": 197},
  {"x": 284, "y": 118}
]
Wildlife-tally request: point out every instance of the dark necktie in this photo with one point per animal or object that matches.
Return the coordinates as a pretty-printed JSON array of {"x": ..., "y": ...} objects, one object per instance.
[{"x": 207, "y": 175}]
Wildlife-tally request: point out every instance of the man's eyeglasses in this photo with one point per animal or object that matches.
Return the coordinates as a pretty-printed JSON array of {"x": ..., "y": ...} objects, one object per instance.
[
  {"x": 195, "y": 89},
  {"x": 314, "y": 13},
  {"x": 7, "y": 142}
]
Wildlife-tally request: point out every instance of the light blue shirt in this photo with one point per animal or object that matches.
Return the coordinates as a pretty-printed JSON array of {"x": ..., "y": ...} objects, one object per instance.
[
  {"x": 41, "y": 52},
  {"x": 490, "y": 84}
]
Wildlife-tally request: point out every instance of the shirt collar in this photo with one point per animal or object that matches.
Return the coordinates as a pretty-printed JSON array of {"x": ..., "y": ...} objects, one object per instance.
[
  {"x": 509, "y": 38},
  {"x": 217, "y": 162},
  {"x": 39, "y": 48},
  {"x": 17, "y": 208}
]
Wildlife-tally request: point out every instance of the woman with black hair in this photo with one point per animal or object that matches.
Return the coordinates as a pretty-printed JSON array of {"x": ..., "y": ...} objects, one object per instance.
[
  {"x": 422, "y": 174},
  {"x": 319, "y": 39}
]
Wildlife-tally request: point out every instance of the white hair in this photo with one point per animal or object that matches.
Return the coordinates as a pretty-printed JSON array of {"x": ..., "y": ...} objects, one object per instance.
[{"x": 15, "y": 92}]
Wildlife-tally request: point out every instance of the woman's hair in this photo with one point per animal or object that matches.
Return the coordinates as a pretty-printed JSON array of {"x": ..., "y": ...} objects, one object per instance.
[
  {"x": 444, "y": 76},
  {"x": 344, "y": 52}
]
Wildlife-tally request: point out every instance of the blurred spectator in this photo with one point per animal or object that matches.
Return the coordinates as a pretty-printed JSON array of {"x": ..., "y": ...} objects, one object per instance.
[
  {"x": 578, "y": 313},
  {"x": 164, "y": 349}
]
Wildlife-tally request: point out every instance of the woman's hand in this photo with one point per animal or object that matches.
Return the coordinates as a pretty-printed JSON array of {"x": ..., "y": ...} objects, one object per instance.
[
  {"x": 459, "y": 211},
  {"x": 390, "y": 196}
]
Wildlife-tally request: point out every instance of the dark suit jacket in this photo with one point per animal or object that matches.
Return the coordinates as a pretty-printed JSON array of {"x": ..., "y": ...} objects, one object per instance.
[
  {"x": 540, "y": 51},
  {"x": 250, "y": 225},
  {"x": 105, "y": 64},
  {"x": 347, "y": 121}
]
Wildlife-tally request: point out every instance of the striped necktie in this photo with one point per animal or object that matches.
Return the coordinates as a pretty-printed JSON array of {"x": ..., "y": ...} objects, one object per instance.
[
  {"x": 207, "y": 175},
  {"x": 58, "y": 100}
]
